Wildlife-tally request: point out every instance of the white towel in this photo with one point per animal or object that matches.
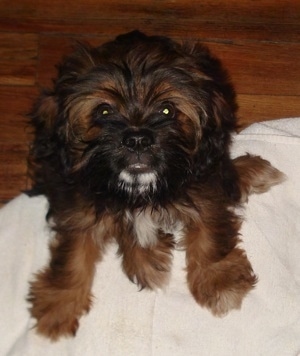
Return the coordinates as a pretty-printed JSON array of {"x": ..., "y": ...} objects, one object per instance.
[{"x": 124, "y": 321}]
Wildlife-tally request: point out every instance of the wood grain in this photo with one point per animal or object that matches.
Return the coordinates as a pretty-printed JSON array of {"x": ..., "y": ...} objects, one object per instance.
[
  {"x": 266, "y": 107},
  {"x": 13, "y": 170},
  {"x": 18, "y": 53},
  {"x": 258, "y": 42},
  {"x": 225, "y": 19},
  {"x": 242, "y": 11},
  {"x": 15, "y": 104},
  {"x": 15, "y": 137},
  {"x": 262, "y": 68}
]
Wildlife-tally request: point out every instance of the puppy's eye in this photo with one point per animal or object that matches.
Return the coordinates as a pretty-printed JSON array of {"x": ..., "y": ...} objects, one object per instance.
[
  {"x": 167, "y": 110},
  {"x": 105, "y": 110}
]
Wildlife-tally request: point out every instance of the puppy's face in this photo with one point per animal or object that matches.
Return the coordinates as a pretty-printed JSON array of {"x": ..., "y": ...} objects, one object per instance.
[{"x": 137, "y": 118}]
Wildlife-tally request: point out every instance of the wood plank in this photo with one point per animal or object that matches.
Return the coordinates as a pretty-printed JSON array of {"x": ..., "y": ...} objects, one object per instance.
[
  {"x": 13, "y": 171},
  {"x": 18, "y": 58},
  {"x": 185, "y": 28},
  {"x": 200, "y": 18},
  {"x": 192, "y": 27},
  {"x": 255, "y": 108},
  {"x": 15, "y": 104},
  {"x": 261, "y": 68},
  {"x": 15, "y": 136},
  {"x": 263, "y": 11}
]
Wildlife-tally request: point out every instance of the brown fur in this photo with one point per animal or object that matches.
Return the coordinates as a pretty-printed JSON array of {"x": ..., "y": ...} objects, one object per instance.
[
  {"x": 132, "y": 141},
  {"x": 256, "y": 175}
]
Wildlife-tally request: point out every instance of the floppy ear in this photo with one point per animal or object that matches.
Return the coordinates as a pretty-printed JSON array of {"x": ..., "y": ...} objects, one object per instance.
[
  {"x": 44, "y": 112},
  {"x": 46, "y": 153},
  {"x": 221, "y": 111},
  {"x": 217, "y": 107},
  {"x": 218, "y": 121},
  {"x": 43, "y": 119},
  {"x": 220, "y": 95}
]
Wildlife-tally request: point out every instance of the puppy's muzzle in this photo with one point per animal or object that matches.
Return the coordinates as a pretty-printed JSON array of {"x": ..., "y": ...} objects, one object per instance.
[{"x": 138, "y": 140}]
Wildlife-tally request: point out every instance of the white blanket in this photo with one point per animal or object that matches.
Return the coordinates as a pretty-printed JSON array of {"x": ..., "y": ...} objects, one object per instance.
[{"x": 124, "y": 321}]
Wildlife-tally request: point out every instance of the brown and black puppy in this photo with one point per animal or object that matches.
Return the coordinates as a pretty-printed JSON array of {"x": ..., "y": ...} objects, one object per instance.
[{"x": 132, "y": 142}]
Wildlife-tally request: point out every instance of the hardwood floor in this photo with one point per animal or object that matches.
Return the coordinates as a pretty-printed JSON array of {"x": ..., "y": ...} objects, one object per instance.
[{"x": 258, "y": 41}]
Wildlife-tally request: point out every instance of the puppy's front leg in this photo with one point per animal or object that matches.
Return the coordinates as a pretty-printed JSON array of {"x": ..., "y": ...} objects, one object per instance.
[
  {"x": 219, "y": 274},
  {"x": 60, "y": 294},
  {"x": 148, "y": 267}
]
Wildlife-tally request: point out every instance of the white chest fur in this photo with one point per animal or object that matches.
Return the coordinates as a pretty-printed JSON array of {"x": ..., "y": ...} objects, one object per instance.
[
  {"x": 146, "y": 224},
  {"x": 145, "y": 228}
]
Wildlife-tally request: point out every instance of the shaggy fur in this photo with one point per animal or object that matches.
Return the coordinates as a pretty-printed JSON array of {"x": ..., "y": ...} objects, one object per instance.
[{"x": 132, "y": 141}]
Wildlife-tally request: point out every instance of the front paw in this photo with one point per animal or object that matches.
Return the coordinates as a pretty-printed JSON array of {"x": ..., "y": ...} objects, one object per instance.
[
  {"x": 149, "y": 267},
  {"x": 150, "y": 273},
  {"x": 222, "y": 286},
  {"x": 56, "y": 311}
]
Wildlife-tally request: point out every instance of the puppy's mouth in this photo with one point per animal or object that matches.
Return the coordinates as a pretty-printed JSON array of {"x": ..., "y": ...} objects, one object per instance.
[
  {"x": 139, "y": 178},
  {"x": 138, "y": 168}
]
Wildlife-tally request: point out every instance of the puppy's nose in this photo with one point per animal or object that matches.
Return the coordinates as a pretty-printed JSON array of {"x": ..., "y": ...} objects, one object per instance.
[{"x": 138, "y": 140}]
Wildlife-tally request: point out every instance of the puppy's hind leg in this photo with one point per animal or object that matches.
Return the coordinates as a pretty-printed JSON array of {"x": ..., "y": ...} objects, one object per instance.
[{"x": 256, "y": 175}]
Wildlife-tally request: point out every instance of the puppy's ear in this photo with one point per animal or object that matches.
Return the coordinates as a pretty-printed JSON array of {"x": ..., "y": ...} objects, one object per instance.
[
  {"x": 218, "y": 123},
  {"x": 218, "y": 105},
  {"x": 219, "y": 94},
  {"x": 46, "y": 148},
  {"x": 44, "y": 113},
  {"x": 220, "y": 111}
]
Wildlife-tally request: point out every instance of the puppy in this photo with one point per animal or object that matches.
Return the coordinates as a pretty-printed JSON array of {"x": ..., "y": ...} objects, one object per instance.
[{"x": 132, "y": 141}]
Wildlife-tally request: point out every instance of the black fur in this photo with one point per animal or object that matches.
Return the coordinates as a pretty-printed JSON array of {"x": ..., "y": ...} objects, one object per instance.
[{"x": 137, "y": 65}]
